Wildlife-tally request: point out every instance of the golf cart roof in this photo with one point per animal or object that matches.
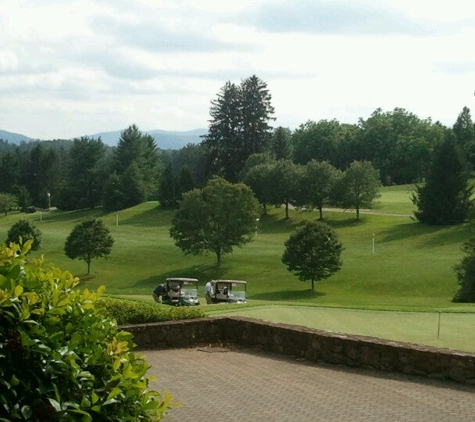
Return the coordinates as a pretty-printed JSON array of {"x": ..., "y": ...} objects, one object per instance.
[
  {"x": 184, "y": 279},
  {"x": 234, "y": 282}
]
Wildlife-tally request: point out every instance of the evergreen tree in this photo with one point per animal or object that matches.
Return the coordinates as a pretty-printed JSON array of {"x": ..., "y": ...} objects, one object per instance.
[
  {"x": 465, "y": 271},
  {"x": 185, "y": 180},
  {"x": 239, "y": 126},
  {"x": 167, "y": 193},
  {"x": 84, "y": 184},
  {"x": 444, "y": 199},
  {"x": 280, "y": 143},
  {"x": 257, "y": 111},
  {"x": 137, "y": 151},
  {"x": 26, "y": 230},
  {"x": 9, "y": 172},
  {"x": 113, "y": 196},
  {"x": 464, "y": 131}
]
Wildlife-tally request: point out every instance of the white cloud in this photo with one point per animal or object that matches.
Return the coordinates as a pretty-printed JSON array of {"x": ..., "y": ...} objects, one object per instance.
[{"x": 76, "y": 67}]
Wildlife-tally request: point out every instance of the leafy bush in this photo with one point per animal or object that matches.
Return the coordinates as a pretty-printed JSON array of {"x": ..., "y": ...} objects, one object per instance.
[
  {"x": 61, "y": 357},
  {"x": 25, "y": 230},
  {"x": 465, "y": 271},
  {"x": 134, "y": 312}
]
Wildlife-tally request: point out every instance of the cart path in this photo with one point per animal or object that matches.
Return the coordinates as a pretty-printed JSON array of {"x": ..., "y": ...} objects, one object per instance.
[{"x": 218, "y": 384}]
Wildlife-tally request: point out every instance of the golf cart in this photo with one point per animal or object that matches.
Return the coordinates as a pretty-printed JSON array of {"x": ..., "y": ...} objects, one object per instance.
[
  {"x": 180, "y": 292},
  {"x": 229, "y": 291}
]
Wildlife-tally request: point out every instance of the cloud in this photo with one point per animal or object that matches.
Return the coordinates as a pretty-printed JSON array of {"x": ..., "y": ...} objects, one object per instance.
[
  {"x": 334, "y": 18},
  {"x": 155, "y": 36}
]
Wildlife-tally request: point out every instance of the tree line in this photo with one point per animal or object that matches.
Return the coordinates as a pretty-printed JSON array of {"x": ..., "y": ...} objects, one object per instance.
[{"x": 85, "y": 173}]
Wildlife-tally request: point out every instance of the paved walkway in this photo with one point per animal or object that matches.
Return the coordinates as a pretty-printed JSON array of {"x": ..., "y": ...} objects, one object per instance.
[{"x": 215, "y": 384}]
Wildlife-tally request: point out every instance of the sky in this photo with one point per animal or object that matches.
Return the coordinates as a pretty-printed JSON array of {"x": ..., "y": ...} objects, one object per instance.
[{"x": 70, "y": 68}]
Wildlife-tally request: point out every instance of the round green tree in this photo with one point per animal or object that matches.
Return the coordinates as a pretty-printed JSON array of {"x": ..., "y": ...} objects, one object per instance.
[
  {"x": 88, "y": 240},
  {"x": 215, "y": 219},
  {"x": 313, "y": 252},
  {"x": 26, "y": 230}
]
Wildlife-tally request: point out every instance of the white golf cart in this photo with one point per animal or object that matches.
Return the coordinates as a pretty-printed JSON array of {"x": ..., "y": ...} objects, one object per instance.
[{"x": 229, "y": 291}]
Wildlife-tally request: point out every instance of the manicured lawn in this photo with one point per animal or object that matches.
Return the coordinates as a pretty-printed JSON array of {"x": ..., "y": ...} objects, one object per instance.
[
  {"x": 389, "y": 262},
  {"x": 412, "y": 327}
]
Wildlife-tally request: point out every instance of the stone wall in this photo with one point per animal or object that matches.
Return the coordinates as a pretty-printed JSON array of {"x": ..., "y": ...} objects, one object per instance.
[{"x": 313, "y": 345}]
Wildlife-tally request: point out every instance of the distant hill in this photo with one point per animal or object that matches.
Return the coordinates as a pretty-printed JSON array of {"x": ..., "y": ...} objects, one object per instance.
[
  {"x": 163, "y": 138},
  {"x": 14, "y": 138}
]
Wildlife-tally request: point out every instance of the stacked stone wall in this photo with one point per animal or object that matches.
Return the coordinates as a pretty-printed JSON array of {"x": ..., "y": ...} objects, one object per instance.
[{"x": 313, "y": 345}]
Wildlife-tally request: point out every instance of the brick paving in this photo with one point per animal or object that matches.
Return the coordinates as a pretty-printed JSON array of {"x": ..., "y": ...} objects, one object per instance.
[{"x": 219, "y": 384}]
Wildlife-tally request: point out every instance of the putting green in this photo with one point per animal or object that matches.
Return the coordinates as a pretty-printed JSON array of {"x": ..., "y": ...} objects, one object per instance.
[{"x": 454, "y": 331}]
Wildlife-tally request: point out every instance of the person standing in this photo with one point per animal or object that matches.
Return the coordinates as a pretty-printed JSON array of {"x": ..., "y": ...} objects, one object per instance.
[{"x": 209, "y": 292}]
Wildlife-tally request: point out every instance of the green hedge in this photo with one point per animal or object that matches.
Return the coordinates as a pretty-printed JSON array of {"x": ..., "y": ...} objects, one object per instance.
[
  {"x": 62, "y": 357},
  {"x": 127, "y": 311}
]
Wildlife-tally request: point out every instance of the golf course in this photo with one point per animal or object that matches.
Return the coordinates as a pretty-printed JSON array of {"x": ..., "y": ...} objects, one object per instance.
[{"x": 397, "y": 280}]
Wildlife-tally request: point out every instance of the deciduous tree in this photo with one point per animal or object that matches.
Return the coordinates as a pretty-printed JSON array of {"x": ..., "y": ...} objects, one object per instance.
[
  {"x": 215, "y": 219},
  {"x": 7, "y": 202},
  {"x": 88, "y": 240},
  {"x": 316, "y": 184},
  {"x": 286, "y": 177},
  {"x": 313, "y": 252},
  {"x": 358, "y": 187}
]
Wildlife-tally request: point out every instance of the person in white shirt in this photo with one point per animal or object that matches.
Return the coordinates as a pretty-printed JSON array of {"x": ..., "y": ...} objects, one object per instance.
[{"x": 209, "y": 292}]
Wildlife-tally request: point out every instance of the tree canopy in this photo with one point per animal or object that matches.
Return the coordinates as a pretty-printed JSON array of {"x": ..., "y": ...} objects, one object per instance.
[
  {"x": 358, "y": 187},
  {"x": 239, "y": 126},
  {"x": 88, "y": 240},
  {"x": 7, "y": 202},
  {"x": 313, "y": 252},
  {"x": 465, "y": 271},
  {"x": 27, "y": 231},
  {"x": 444, "y": 198},
  {"x": 215, "y": 219}
]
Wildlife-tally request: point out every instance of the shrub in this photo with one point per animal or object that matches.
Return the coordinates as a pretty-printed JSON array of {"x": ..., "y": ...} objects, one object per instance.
[
  {"x": 61, "y": 357},
  {"x": 465, "y": 271},
  {"x": 26, "y": 230},
  {"x": 133, "y": 312}
]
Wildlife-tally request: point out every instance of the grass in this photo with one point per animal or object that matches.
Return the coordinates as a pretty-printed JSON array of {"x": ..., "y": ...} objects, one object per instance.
[
  {"x": 408, "y": 267},
  {"x": 413, "y": 327}
]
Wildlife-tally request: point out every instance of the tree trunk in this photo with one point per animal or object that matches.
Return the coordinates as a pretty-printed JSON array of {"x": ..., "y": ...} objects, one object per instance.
[
  {"x": 313, "y": 285},
  {"x": 320, "y": 210}
]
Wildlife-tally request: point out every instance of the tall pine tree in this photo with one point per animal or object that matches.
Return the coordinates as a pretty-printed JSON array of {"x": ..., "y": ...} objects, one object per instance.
[
  {"x": 239, "y": 126},
  {"x": 444, "y": 199}
]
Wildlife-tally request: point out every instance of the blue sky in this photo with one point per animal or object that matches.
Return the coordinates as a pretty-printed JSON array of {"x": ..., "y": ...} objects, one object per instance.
[{"x": 75, "y": 67}]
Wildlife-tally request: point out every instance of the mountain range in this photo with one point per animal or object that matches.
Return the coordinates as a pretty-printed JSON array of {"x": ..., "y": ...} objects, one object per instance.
[{"x": 164, "y": 139}]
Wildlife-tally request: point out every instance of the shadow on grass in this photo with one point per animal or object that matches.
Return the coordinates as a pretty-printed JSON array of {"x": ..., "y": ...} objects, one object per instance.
[
  {"x": 272, "y": 224},
  {"x": 434, "y": 235},
  {"x": 154, "y": 217},
  {"x": 288, "y": 295}
]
